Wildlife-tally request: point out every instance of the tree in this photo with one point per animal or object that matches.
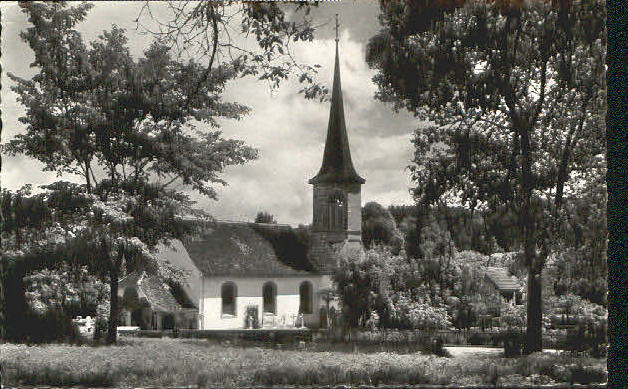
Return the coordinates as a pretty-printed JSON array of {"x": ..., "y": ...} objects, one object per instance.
[
  {"x": 436, "y": 263},
  {"x": 516, "y": 95},
  {"x": 73, "y": 291},
  {"x": 136, "y": 119},
  {"x": 41, "y": 232},
  {"x": 379, "y": 228},
  {"x": 366, "y": 282},
  {"x": 205, "y": 30},
  {"x": 580, "y": 265},
  {"x": 487, "y": 231},
  {"x": 265, "y": 217}
]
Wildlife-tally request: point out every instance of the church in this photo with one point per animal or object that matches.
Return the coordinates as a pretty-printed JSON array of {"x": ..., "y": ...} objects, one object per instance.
[{"x": 247, "y": 275}]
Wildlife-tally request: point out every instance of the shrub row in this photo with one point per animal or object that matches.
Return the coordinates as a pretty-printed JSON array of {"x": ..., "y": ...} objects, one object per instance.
[{"x": 577, "y": 339}]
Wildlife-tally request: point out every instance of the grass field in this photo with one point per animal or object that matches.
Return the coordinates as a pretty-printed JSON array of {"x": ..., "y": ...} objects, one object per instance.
[{"x": 183, "y": 362}]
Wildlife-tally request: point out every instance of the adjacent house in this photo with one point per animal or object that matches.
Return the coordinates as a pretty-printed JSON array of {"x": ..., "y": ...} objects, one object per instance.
[
  {"x": 249, "y": 275},
  {"x": 496, "y": 287},
  {"x": 149, "y": 303},
  {"x": 505, "y": 283}
]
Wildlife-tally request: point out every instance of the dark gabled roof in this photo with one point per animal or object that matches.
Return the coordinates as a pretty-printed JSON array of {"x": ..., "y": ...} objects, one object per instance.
[
  {"x": 248, "y": 249},
  {"x": 158, "y": 294},
  {"x": 502, "y": 279},
  {"x": 337, "y": 166}
]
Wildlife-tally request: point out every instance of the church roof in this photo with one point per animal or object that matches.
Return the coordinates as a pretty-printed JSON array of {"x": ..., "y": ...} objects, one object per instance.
[
  {"x": 157, "y": 293},
  {"x": 248, "y": 249},
  {"x": 337, "y": 166}
]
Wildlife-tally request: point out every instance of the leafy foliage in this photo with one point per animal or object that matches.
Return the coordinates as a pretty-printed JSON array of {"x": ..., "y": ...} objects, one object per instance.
[
  {"x": 378, "y": 288},
  {"x": 251, "y": 38},
  {"x": 513, "y": 318},
  {"x": 128, "y": 128},
  {"x": 360, "y": 281},
  {"x": 265, "y": 217},
  {"x": 379, "y": 228},
  {"x": 515, "y": 96},
  {"x": 410, "y": 314},
  {"x": 76, "y": 292},
  {"x": 487, "y": 231},
  {"x": 131, "y": 116}
]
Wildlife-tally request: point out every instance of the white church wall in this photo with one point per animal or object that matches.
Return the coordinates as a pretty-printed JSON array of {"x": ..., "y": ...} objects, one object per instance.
[{"x": 249, "y": 292}]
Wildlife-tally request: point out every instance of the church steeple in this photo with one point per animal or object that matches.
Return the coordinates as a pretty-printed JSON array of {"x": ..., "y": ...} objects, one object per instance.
[
  {"x": 337, "y": 166},
  {"x": 337, "y": 198}
]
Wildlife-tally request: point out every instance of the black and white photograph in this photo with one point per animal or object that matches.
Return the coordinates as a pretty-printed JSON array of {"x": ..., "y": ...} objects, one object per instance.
[{"x": 355, "y": 193}]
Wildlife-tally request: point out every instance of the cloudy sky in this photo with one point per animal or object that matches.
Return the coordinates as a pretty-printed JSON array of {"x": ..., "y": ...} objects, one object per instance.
[{"x": 288, "y": 130}]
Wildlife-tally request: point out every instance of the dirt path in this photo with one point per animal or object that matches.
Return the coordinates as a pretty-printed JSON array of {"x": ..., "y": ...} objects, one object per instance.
[{"x": 465, "y": 351}]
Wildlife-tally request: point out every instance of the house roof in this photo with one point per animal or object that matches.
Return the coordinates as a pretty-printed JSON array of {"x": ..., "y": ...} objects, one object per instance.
[
  {"x": 248, "y": 249},
  {"x": 337, "y": 166},
  {"x": 156, "y": 292},
  {"x": 502, "y": 279}
]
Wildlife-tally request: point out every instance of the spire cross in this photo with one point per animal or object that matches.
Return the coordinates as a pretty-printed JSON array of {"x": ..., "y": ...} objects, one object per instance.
[{"x": 337, "y": 26}]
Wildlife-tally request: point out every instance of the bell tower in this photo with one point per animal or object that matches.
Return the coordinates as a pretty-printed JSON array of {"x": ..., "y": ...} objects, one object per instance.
[{"x": 337, "y": 206}]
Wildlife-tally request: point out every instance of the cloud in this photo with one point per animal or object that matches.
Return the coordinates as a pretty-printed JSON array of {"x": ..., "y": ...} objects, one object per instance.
[{"x": 288, "y": 130}]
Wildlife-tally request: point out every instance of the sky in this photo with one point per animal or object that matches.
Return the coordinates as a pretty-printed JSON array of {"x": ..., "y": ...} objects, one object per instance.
[{"x": 288, "y": 130}]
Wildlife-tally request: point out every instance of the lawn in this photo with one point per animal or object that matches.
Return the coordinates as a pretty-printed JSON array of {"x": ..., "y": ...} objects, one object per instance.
[{"x": 183, "y": 362}]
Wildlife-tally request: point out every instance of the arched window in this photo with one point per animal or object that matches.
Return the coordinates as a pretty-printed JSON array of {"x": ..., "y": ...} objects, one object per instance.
[
  {"x": 305, "y": 297},
  {"x": 229, "y": 294},
  {"x": 337, "y": 211},
  {"x": 269, "y": 293}
]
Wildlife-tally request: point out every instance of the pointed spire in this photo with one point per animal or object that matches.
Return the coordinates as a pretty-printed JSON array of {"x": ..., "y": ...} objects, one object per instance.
[{"x": 337, "y": 166}]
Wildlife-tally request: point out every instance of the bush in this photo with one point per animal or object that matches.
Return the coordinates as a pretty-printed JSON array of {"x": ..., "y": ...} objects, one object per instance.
[
  {"x": 101, "y": 327},
  {"x": 513, "y": 318},
  {"x": 561, "y": 368},
  {"x": 479, "y": 338},
  {"x": 50, "y": 326},
  {"x": 587, "y": 375},
  {"x": 416, "y": 315},
  {"x": 395, "y": 341},
  {"x": 513, "y": 343},
  {"x": 590, "y": 338},
  {"x": 436, "y": 347}
]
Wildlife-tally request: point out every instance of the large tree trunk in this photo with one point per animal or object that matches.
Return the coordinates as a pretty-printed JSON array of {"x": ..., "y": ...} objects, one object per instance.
[
  {"x": 114, "y": 275},
  {"x": 534, "y": 317},
  {"x": 534, "y": 335},
  {"x": 112, "y": 325}
]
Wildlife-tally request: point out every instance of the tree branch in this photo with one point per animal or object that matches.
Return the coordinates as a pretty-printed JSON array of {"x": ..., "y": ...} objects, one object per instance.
[
  {"x": 170, "y": 182},
  {"x": 211, "y": 15}
]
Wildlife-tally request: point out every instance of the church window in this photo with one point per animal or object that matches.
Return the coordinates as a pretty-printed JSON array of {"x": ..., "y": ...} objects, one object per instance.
[
  {"x": 269, "y": 293},
  {"x": 337, "y": 212},
  {"x": 305, "y": 297},
  {"x": 229, "y": 294}
]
